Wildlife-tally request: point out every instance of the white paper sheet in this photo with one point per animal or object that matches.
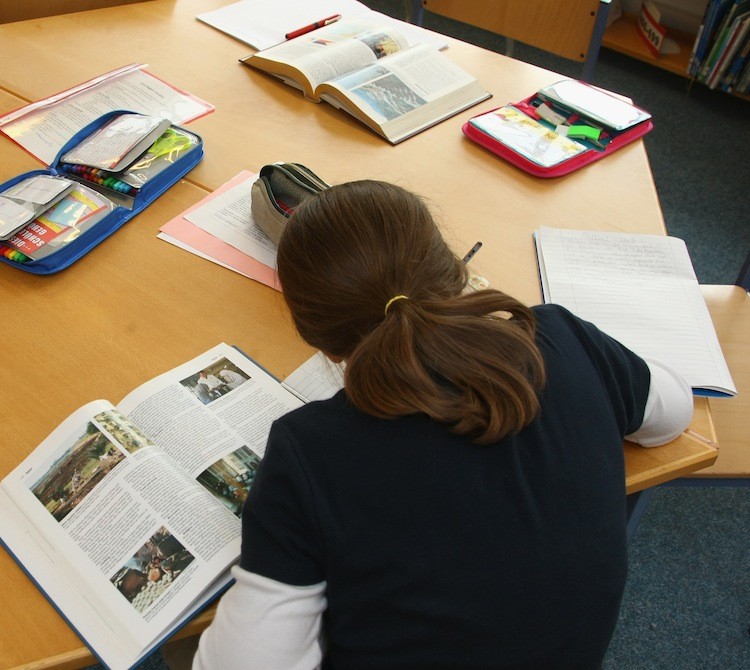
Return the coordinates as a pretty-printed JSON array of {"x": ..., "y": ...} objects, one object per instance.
[
  {"x": 317, "y": 378},
  {"x": 641, "y": 290},
  {"x": 43, "y": 127},
  {"x": 263, "y": 23},
  {"x": 228, "y": 218}
]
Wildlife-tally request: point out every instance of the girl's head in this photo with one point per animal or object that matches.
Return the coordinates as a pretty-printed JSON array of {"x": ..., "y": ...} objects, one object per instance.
[{"x": 369, "y": 279}]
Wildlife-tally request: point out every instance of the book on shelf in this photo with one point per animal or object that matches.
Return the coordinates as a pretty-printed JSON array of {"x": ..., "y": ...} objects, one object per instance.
[
  {"x": 127, "y": 516},
  {"x": 371, "y": 72},
  {"x": 734, "y": 70},
  {"x": 711, "y": 18},
  {"x": 716, "y": 59},
  {"x": 733, "y": 37},
  {"x": 640, "y": 289},
  {"x": 716, "y": 43},
  {"x": 741, "y": 82}
]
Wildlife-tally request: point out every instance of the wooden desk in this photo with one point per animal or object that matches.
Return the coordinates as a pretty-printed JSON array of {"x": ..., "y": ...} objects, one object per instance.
[
  {"x": 136, "y": 306},
  {"x": 730, "y": 310}
]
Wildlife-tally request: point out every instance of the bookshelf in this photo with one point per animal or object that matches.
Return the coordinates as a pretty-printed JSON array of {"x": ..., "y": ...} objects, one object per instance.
[{"x": 622, "y": 36}]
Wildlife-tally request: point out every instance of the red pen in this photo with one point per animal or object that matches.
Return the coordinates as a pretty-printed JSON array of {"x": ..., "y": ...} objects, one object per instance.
[{"x": 313, "y": 26}]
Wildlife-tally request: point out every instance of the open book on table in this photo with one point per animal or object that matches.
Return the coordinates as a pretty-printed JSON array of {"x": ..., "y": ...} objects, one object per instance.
[
  {"x": 127, "y": 516},
  {"x": 372, "y": 73},
  {"x": 641, "y": 290}
]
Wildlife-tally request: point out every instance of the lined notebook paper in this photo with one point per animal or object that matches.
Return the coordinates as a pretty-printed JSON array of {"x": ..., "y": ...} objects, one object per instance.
[
  {"x": 316, "y": 379},
  {"x": 641, "y": 290}
]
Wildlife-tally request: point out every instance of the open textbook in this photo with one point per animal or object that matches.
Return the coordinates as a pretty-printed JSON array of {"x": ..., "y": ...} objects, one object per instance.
[
  {"x": 371, "y": 72},
  {"x": 641, "y": 290},
  {"x": 127, "y": 515}
]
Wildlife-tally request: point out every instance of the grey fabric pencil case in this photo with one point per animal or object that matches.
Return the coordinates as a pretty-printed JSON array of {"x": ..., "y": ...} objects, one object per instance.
[{"x": 280, "y": 187}]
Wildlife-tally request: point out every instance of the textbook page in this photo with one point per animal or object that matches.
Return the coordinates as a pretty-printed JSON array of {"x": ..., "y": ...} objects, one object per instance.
[
  {"x": 128, "y": 516},
  {"x": 641, "y": 290},
  {"x": 215, "y": 406},
  {"x": 407, "y": 91},
  {"x": 330, "y": 52},
  {"x": 120, "y": 539}
]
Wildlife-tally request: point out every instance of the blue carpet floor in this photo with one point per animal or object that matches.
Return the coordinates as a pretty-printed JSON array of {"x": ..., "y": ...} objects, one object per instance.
[{"x": 687, "y": 600}]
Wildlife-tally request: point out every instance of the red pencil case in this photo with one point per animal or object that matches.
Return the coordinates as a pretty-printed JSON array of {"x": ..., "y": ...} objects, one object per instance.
[{"x": 560, "y": 128}]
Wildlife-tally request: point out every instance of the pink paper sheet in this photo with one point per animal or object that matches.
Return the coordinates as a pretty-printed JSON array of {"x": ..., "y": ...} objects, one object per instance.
[{"x": 216, "y": 250}]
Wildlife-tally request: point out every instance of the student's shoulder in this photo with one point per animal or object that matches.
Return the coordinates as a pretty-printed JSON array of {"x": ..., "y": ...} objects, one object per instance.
[
  {"x": 550, "y": 311},
  {"x": 556, "y": 326},
  {"x": 551, "y": 318},
  {"x": 318, "y": 427},
  {"x": 316, "y": 411}
]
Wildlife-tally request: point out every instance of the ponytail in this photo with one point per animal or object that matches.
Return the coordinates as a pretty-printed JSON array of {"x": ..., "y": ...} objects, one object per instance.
[
  {"x": 368, "y": 278},
  {"x": 453, "y": 360}
]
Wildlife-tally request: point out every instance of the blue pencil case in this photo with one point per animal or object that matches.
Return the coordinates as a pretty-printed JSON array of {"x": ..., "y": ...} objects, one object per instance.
[{"x": 100, "y": 179}]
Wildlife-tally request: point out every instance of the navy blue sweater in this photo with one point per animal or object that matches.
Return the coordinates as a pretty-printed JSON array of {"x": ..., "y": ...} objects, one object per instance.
[{"x": 439, "y": 553}]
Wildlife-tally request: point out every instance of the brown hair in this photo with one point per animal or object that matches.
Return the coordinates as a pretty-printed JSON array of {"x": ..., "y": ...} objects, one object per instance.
[{"x": 346, "y": 252}]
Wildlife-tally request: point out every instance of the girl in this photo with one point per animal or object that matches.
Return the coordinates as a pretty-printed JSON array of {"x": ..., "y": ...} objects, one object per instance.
[{"x": 461, "y": 503}]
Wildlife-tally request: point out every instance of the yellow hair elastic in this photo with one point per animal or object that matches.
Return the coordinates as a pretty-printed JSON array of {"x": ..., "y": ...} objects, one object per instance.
[{"x": 392, "y": 300}]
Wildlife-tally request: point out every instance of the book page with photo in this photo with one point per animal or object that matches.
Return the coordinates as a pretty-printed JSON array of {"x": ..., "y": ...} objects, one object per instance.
[
  {"x": 372, "y": 73},
  {"x": 128, "y": 517}
]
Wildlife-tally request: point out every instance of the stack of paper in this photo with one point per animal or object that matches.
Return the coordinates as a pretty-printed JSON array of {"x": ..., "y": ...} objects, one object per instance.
[
  {"x": 641, "y": 290},
  {"x": 220, "y": 228}
]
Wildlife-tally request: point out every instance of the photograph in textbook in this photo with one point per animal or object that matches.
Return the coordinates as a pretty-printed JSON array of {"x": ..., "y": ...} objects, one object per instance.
[
  {"x": 152, "y": 569},
  {"x": 229, "y": 479},
  {"x": 214, "y": 382},
  {"x": 77, "y": 470},
  {"x": 123, "y": 431}
]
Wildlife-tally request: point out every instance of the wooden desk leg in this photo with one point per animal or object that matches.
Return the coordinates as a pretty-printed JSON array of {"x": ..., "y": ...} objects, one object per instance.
[{"x": 636, "y": 507}]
